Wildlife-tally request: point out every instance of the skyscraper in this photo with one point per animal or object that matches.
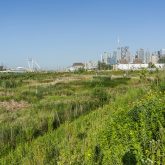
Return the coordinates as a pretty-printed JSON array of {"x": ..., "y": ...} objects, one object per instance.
[
  {"x": 125, "y": 55},
  {"x": 118, "y": 55},
  {"x": 141, "y": 55},
  {"x": 105, "y": 58},
  {"x": 147, "y": 57}
]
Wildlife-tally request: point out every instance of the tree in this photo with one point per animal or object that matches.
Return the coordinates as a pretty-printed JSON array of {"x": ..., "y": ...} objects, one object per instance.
[
  {"x": 104, "y": 66},
  {"x": 161, "y": 60},
  {"x": 151, "y": 65}
]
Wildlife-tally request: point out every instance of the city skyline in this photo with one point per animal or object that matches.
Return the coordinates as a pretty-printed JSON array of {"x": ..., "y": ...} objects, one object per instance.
[
  {"x": 58, "y": 33},
  {"x": 123, "y": 55}
]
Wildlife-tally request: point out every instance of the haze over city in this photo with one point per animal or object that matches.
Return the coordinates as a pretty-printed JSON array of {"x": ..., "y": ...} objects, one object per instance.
[{"x": 59, "y": 33}]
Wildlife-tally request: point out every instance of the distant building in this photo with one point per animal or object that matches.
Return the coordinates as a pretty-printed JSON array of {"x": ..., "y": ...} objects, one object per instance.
[
  {"x": 75, "y": 67},
  {"x": 123, "y": 61},
  {"x": 78, "y": 65},
  {"x": 148, "y": 57},
  {"x": 118, "y": 56},
  {"x": 109, "y": 58},
  {"x": 137, "y": 61},
  {"x": 154, "y": 59},
  {"x": 141, "y": 55},
  {"x": 105, "y": 58},
  {"x": 91, "y": 65},
  {"x": 137, "y": 66},
  {"x": 113, "y": 58},
  {"x": 125, "y": 55}
]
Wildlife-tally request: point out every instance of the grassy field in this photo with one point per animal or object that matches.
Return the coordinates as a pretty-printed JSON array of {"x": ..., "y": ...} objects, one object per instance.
[{"x": 82, "y": 118}]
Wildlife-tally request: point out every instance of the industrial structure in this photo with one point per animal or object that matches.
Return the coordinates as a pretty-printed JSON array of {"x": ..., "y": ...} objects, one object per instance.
[{"x": 33, "y": 65}]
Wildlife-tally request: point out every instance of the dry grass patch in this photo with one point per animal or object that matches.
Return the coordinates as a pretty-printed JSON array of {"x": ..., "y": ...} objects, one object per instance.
[
  {"x": 3, "y": 93},
  {"x": 13, "y": 105}
]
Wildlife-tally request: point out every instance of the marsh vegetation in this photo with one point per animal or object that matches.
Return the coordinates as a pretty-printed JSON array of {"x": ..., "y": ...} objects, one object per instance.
[{"x": 82, "y": 118}]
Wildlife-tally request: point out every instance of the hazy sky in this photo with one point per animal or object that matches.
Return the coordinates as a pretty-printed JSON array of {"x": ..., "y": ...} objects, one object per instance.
[{"x": 59, "y": 32}]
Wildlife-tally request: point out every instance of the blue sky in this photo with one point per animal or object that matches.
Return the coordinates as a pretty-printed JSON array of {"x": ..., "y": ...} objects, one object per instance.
[{"x": 57, "y": 33}]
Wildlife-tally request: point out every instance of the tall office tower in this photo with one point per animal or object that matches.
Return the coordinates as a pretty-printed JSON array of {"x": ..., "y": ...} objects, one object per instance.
[
  {"x": 128, "y": 56},
  {"x": 109, "y": 56},
  {"x": 141, "y": 55},
  {"x": 147, "y": 57},
  {"x": 115, "y": 57},
  {"x": 125, "y": 55},
  {"x": 106, "y": 57},
  {"x": 118, "y": 57},
  {"x": 131, "y": 58}
]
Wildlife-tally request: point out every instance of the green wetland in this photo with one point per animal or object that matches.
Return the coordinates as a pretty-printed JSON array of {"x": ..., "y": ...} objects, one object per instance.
[{"x": 82, "y": 118}]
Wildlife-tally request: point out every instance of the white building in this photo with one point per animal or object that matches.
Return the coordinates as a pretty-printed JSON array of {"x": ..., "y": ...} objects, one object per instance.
[
  {"x": 137, "y": 66},
  {"x": 75, "y": 67},
  {"x": 91, "y": 65}
]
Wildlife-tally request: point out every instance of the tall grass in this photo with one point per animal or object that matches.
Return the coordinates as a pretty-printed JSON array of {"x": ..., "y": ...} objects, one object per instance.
[{"x": 90, "y": 121}]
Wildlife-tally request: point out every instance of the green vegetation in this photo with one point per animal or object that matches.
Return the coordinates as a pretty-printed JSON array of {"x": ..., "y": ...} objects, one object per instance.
[
  {"x": 104, "y": 66},
  {"x": 162, "y": 60},
  {"x": 88, "y": 118}
]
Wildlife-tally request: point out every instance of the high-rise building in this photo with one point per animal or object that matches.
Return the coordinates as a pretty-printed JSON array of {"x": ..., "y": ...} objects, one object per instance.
[
  {"x": 141, "y": 55},
  {"x": 147, "y": 57},
  {"x": 118, "y": 56},
  {"x": 125, "y": 55},
  {"x": 105, "y": 58},
  {"x": 115, "y": 61},
  {"x": 109, "y": 58}
]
